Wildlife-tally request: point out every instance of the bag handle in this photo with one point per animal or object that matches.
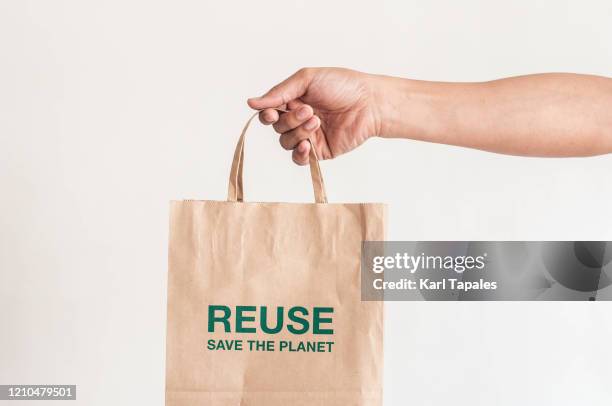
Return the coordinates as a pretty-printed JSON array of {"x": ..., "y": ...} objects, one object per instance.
[{"x": 235, "y": 191}]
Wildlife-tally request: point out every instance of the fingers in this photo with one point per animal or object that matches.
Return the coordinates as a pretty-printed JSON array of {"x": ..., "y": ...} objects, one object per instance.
[
  {"x": 301, "y": 153},
  {"x": 268, "y": 116},
  {"x": 290, "y": 139},
  {"x": 299, "y": 131},
  {"x": 293, "y": 119},
  {"x": 295, "y": 127},
  {"x": 291, "y": 88},
  {"x": 294, "y": 104}
]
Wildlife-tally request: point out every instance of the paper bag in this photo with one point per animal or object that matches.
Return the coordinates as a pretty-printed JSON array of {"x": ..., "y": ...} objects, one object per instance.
[{"x": 264, "y": 301}]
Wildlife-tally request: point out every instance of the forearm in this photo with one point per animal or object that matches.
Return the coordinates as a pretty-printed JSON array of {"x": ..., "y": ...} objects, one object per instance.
[{"x": 537, "y": 115}]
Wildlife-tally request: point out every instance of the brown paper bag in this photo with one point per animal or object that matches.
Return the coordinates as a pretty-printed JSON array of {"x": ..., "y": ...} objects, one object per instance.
[{"x": 264, "y": 301}]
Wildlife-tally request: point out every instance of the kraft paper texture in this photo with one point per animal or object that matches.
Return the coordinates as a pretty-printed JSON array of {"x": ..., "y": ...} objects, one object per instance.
[{"x": 232, "y": 253}]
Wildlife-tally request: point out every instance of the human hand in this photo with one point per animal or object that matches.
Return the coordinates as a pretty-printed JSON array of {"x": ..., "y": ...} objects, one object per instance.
[
  {"x": 333, "y": 107},
  {"x": 339, "y": 109}
]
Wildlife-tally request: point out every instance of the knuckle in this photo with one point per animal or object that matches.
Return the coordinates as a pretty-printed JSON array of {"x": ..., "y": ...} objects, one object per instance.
[
  {"x": 308, "y": 108},
  {"x": 262, "y": 118},
  {"x": 292, "y": 118},
  {"x": 285, "y": 141},
  {"x": 285, "y": 98},
  {"x": 266, "y": 117},
  {"x": 298, "y": 160},
  {"x": 278, "y": 126},
  {"x": 289, "y": 120},
  {"x": 300, "y": 134},
  {"x": 305, "y": 71}
]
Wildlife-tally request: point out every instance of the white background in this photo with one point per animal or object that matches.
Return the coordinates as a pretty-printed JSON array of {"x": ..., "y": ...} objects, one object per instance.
[{"x": 109, "y": 109}]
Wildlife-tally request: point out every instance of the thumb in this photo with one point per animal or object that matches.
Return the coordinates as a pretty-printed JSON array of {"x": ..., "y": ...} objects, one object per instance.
[{"x": 291, "y": 88}]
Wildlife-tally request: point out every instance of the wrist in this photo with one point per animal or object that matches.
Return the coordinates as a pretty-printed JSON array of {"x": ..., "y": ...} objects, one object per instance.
[{"x": 407, "y": 108}]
